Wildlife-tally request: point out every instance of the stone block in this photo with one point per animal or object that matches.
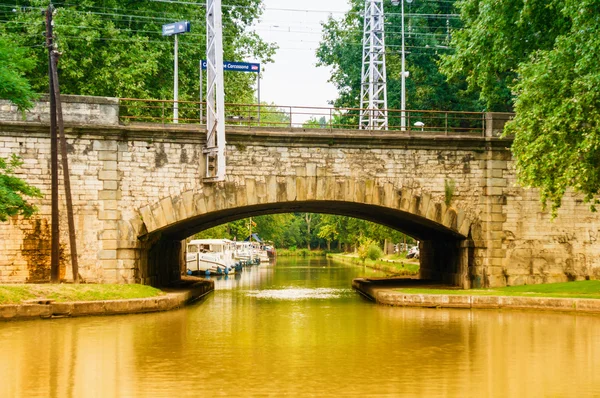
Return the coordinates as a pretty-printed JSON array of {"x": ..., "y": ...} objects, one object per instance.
[
  {"x": 187, "y": 204},
  {"x": 300, "y": 189},
  {"x": 107, "y": 254},
  {"x": 107, "y": 156},
  {"x": 424, "y": 204},
  {"x": 108, "y": 175},
  {"x": 109, "y": 165},
  {"x": 168, "y": 211},
  {"x": 485, "y": 302},
  {"x": 110, "y": 185},
  {"x": 88, "y": 308},
  {"x": 109, "y": 195},
  {"x": 272, "y": 187},
  {"x": 108, "y": 244},
  {"x": 199, "y": 203},
  {"x": 291, "y": 189},
  {"x": 109, "y": 215},
  {"x": 585, "y": 305},
  {"x": 148, "y": 218},
  {"x": 251, "y": 198},
  {"x": 108, "y": 234},
  {"x": 105, "y": 145},
  {"x": 110, "y": 204}
]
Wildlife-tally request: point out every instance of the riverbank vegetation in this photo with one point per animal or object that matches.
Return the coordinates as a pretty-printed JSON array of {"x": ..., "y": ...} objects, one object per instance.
[
  {"x": 577, "y": 289},
  {"x": 22, "y": 293},
  {"x": 292, "y": 233},
  {"x": 391, "y": 264}
]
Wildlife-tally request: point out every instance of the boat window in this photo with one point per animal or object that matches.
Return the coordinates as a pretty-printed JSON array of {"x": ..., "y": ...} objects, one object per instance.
[{"x": 192, "y": 249}]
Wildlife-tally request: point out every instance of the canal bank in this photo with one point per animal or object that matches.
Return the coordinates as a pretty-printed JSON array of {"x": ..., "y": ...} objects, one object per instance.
[
  {"x": 387, "y": 291},
  {"x": 404, "y": 267},
  {"x": 188, "y": 291}
]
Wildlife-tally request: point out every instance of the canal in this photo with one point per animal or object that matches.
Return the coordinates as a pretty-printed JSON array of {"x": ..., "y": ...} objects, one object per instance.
[{"x": 298, "y": 329}]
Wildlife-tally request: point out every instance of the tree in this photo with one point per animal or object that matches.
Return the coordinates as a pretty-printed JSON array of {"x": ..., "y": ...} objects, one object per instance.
[
  {"x": 557, "y": 123},
  {"x": 14, "y": 64},
  {"x": 495, "y": 39},
  {"x": 116, "y": 48},
  {"x": 428, "y": 30},
  {"x": 540, "y": 56},
  {"x": 13, "y": 189}
]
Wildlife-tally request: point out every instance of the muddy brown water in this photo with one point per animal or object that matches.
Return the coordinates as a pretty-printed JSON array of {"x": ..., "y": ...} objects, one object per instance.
[{"x": 297, "y": 329}]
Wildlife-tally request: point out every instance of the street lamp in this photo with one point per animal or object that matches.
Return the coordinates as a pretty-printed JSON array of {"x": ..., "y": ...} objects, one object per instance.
[{"x": 404, "y": 72}]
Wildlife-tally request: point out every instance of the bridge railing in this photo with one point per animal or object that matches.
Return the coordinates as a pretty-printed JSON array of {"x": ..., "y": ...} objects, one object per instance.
[{"x": 132, "y": 110}]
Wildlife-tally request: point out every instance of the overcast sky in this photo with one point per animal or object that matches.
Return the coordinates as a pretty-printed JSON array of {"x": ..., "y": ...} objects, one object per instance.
[{"x": 294, "y": 79}]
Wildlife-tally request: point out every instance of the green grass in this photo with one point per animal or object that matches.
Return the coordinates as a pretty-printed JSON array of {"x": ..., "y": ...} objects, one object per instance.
[
  {"x": 399, "y": 265},
  {"x": 300, "y": 253},
  {"x": 579, "y": 289},
  {"x": 15, "y": 294}
]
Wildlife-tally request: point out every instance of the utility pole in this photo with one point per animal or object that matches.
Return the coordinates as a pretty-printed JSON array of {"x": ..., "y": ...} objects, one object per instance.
[
  {"x": 65, "y": 162},
  {"x": 55, "y": 246},
  {"x": 214, "y": 152},
  {"x": 373, "y": 90}
]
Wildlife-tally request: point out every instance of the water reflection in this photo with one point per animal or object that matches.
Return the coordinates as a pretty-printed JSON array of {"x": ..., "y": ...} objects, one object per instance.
[{"x": 297, "y": 329}]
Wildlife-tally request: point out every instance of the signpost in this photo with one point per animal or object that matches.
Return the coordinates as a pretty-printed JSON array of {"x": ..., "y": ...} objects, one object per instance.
[
  {"x": 174, "y": 29},
  {"x": 246, "y": 67}
]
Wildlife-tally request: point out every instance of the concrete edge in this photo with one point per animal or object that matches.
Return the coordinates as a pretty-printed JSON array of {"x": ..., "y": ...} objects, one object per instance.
[
  {"x": 400, "y": 299},
  {"x": 173, "y": 299}
]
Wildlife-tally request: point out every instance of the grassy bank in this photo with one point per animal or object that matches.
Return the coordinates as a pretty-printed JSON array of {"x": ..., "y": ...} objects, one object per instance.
[
  {"x": 579, "y": 289},
  {"x": 19, "y": 293},
  {"x": 300, "y": 253},
  {"x": 390, "y": 264}
]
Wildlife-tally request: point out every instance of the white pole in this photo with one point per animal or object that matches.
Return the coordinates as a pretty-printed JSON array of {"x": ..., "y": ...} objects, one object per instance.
[
  {"x": 176, "y": 83},
  {"x": 201, "y": 91},
  {"x": 403, "y": 90},
  {"x": 258, "y": 89}
]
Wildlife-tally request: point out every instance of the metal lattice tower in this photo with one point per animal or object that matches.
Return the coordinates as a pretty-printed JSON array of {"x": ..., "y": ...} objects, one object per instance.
[
  {"x": 373, "y": 92},
  {"x": 214, "y": 152}
]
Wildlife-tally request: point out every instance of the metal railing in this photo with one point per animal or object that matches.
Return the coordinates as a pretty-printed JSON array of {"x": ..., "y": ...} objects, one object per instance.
[{"x": 132, "y": 110}]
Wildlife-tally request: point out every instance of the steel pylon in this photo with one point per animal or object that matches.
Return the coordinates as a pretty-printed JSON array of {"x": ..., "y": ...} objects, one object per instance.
[
  {"x": 214, "y": 152},
  {"x": 373, "y": 91}
]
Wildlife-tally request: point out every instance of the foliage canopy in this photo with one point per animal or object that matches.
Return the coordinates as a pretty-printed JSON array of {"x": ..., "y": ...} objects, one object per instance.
[
  {"x": 541, "y": 57},
  {"x": 14, "y": 64},
  {"x": 116, "y": 48},
  {"x": 13, "y": 189}
]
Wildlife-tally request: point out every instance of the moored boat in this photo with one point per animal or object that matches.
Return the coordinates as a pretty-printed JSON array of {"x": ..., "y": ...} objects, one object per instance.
[{"x": 214, "y": 256}]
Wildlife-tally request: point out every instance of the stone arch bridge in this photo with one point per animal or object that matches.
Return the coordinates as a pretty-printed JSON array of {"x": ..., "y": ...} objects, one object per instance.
[{"x": 138, "y": 192}]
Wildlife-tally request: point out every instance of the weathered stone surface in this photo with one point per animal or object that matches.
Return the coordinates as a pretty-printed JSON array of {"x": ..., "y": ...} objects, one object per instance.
[{"x": 144, "y": 180}]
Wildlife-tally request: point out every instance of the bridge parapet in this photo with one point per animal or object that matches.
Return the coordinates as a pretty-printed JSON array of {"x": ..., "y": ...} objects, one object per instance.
[{"x": 77, "y": 109}]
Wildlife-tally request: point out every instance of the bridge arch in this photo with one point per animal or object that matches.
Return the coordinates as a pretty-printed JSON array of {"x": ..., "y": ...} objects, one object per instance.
[{"x": 445, "y": 232}]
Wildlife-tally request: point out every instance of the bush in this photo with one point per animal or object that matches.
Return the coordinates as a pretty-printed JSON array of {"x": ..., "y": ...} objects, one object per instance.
[
  {"x": 303, "y": 252},
  {"x": 374, "y": 252}
]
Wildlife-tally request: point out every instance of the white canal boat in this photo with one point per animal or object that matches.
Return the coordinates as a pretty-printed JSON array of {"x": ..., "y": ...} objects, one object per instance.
[{"x": 213, "y": 255}]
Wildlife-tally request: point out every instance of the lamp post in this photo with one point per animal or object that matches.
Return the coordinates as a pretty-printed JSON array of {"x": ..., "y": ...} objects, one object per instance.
[{"x": 404, "y": 72}]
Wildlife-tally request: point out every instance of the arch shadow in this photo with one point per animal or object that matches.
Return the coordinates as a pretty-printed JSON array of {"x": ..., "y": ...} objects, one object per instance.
[{"x": 443, "y": 231}]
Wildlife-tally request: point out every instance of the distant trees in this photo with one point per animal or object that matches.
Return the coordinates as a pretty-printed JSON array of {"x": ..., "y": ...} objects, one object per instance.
[{"x": 309, "y": 230}]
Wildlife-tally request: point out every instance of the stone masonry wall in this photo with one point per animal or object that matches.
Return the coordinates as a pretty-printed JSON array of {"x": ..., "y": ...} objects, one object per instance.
[{"x": 117, "y": 170}]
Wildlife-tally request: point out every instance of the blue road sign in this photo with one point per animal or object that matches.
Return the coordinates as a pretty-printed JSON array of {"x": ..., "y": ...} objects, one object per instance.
[
  {"x": 171, "y": 29},
  {"x": 237, "y": 66}
]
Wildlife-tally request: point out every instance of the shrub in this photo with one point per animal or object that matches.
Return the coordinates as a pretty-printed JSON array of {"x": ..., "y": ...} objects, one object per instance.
[{"x": 374, "y": 252}]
